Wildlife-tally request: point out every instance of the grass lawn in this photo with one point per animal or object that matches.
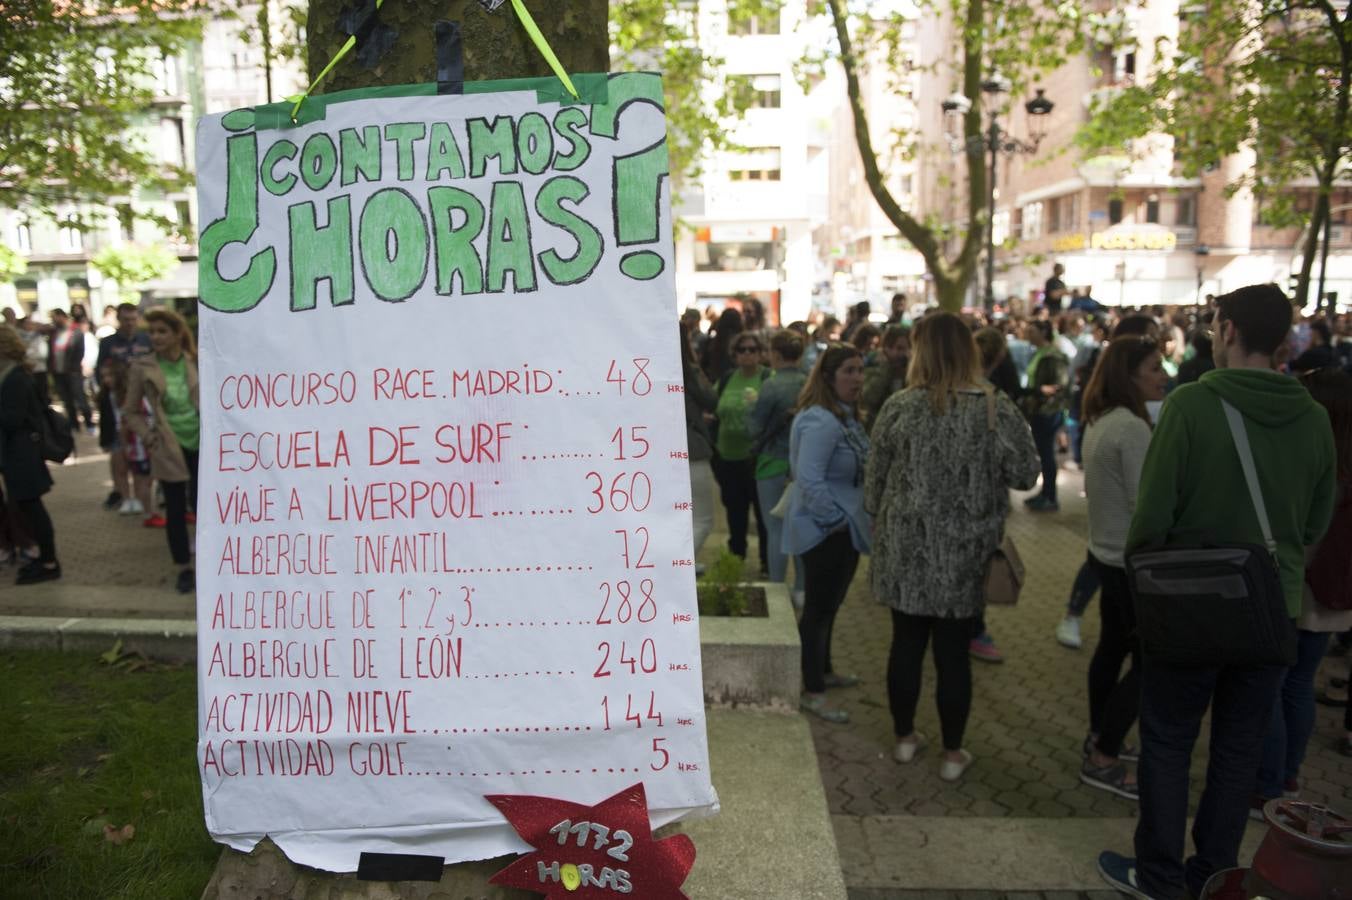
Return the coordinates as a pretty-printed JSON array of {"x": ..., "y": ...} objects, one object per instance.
[{"x": 87, "y": 749}]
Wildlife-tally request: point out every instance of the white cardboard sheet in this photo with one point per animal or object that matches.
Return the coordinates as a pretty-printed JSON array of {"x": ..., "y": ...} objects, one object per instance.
[{"x": 443, "y": 535}]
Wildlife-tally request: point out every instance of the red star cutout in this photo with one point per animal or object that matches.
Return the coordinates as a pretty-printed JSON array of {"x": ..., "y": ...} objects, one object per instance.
[{"x": 617, "y": 849}]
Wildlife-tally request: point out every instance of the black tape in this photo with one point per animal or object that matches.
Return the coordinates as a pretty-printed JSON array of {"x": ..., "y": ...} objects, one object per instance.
[
  {"x": 399, "y": 867},
  {"x": 450, "y": 59},
  {"x": 374, "y": 39}
]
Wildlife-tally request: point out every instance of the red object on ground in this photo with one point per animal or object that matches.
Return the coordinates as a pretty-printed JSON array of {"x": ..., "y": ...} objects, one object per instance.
[
  {"x": 1307, "y": 853},
  {"x": 593, "y": 851},
  {"x": 154, "y": 522}
]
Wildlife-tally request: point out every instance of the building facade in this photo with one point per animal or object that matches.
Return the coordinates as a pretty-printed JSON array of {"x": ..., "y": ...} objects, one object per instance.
[
  {"x": 1129, "y": 228},
  {"x": 220, "y": 72},
  {"x": 866, "y": 256},
  {"x": 746, "y": 226}
]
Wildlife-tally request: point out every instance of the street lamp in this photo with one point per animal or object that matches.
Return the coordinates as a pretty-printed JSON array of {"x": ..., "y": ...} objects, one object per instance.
[
  {"x": 1200, "y": 253},
  {"x": 996, "y": 141}
]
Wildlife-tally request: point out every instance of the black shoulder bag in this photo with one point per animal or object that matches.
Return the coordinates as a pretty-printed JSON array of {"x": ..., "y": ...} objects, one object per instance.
[{"x": 1213, "y": 604}]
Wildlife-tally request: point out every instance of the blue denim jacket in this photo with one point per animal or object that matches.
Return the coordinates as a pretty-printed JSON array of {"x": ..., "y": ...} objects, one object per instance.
[{"x": 827, "y": 458}]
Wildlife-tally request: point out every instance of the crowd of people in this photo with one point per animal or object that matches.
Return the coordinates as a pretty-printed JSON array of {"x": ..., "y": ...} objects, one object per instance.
[
  {"x": 905, "y": 441},
  {"x": 139, "y": 372}
]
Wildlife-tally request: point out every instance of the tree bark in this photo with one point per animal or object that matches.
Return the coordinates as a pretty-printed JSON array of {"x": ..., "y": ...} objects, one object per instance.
[
  {"x": 950, "y": 278},
  {"x": 495, "y": 44}
]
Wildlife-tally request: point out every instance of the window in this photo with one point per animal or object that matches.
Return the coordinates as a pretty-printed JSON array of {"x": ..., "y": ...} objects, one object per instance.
[
  {"x": 1124, "y": 67},
  {"x": 1054, "y": 215},
  {"x": 744, "y": 21},
  {"x": 755, "y": 91},
  {"x": 1152, "y": 209},
  {"x": 23, "y": 236},
  {"x": 70, "y": 236},
  {"x": 1185, "y": 210},
  {"x": 1032, "y": 221},
  {"x": 126, "y": 222},
  {"x": 26, "y": 292},
  {"x": 756, "y": 164},
  {"x": 1114, "y": 211},
  {"x": 1070, "y": 213},
  {"x": 166, "y": 76},
  {"x": 171, "y": 141},
  {"x": 183, "y": 213}
]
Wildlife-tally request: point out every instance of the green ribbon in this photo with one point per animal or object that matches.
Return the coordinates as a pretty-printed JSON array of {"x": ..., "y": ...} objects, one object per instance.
[
  {"x": 543, "y": 46},
  {"x": 522, "y": 13},
  {"x": 337, "y": 57}
]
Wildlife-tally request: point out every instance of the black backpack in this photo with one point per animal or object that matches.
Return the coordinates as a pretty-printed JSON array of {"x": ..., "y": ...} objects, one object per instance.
[{"x": 58, "y": 442}]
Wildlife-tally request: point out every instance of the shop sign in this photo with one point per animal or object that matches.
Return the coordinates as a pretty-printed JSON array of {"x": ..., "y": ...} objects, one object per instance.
[{"x": 1117, "y": 240}]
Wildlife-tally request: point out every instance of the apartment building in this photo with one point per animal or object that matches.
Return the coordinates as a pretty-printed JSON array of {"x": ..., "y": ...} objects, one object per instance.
[
  {"x": 746, "y": 227},
  {"x": 220, "y": 72},
  {"x": 866, "y": 256},
  {"x": 1129, "y": 227}
]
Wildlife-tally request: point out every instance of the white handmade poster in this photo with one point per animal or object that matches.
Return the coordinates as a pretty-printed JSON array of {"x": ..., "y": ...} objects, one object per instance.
[{"x": 443, "y": 532}]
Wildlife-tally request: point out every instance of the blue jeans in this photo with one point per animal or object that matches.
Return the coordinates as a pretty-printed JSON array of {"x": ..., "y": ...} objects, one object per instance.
[
  {"x": 768, "y": 491},
  {"x": 1173, "y": 701},
  {"x": 1292, "y": 717},
  {"x": 1045, "y": 426},
  {"x": 1083, "y": 590}
]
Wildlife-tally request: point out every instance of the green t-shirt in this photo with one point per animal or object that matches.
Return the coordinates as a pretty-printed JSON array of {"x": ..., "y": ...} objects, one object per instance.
[
  {"x": 739, "y": 395},
  {"x": 182, "y": 416}
]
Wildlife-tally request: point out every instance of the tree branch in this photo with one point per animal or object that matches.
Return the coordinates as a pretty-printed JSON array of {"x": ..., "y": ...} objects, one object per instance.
[{"x": 919, "y": 236}]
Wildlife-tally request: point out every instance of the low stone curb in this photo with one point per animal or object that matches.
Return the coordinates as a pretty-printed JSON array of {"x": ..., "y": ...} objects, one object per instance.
[{"x": 169, "y": 639}]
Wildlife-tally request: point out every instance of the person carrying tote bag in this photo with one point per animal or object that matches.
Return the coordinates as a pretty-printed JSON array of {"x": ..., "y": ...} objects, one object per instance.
[
  {"x": 1240, "y": 474},
  {"x": 937, "y": 486}
]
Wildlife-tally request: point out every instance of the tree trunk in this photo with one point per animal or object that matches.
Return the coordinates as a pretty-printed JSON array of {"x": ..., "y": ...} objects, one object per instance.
[{"x": 402, "y": 47}]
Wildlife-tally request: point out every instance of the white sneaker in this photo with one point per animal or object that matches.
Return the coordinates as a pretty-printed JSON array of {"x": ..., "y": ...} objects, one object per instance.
[
  {"x": 798, "y": 598},
  {"x": 905, "y": 751},
  {"x": 952, "y": 771},
  {"x": 1068, "y": 632},
  {"x": 131, "y": 507}
]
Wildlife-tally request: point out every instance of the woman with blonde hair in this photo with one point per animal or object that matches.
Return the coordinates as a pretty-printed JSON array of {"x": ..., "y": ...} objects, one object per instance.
[
  {"x": 946, "y": 451},
  {"x": 825, "y": 525},
  {"x": 167, "y": 381},
  {"x": 25, "y": 471}
]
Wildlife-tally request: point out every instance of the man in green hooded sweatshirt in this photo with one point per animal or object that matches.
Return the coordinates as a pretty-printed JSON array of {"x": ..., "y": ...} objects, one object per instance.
[{"x": 1192, "y": 482}]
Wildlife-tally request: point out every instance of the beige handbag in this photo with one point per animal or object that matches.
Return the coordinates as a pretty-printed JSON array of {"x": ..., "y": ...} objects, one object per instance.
[{"x": 1003, "y": 578}]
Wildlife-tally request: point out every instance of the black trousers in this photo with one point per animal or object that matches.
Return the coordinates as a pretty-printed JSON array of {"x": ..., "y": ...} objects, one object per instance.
[
  {"x": 70, "y": 386},
  {"x": 178, "y": 495},
  {"x": 737, "y": 489},
  {"x": 1045, "y": 426},
  {"x": 1114, "y": 704},
  {"x": 1173, "y": 701},
  {"x": 827, "y": 571},
  {"x": 39, "y": 525},
  {"x": 952, "y": 665}
]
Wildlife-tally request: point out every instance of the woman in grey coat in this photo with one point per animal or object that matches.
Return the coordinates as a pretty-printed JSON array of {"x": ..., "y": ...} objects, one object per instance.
[{"x": 937, "y": 485}]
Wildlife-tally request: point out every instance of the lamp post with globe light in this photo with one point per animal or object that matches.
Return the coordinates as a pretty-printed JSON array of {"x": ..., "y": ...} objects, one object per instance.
[{"x": 995, "y": 141}]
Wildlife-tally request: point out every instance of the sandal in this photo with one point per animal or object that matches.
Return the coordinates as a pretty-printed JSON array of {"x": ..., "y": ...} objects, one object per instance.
[
  {"x": 841, "y": 681},
  {"x": 1112, "y": 779},
  {"x": 817, "y": 707}
]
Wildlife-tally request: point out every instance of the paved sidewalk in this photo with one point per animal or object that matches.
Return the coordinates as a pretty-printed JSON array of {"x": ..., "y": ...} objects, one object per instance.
[
  {"x": 111, "y": 566},
  {"x": 1029, "y": 714},
  {"x": 1019, "y": 824}
]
